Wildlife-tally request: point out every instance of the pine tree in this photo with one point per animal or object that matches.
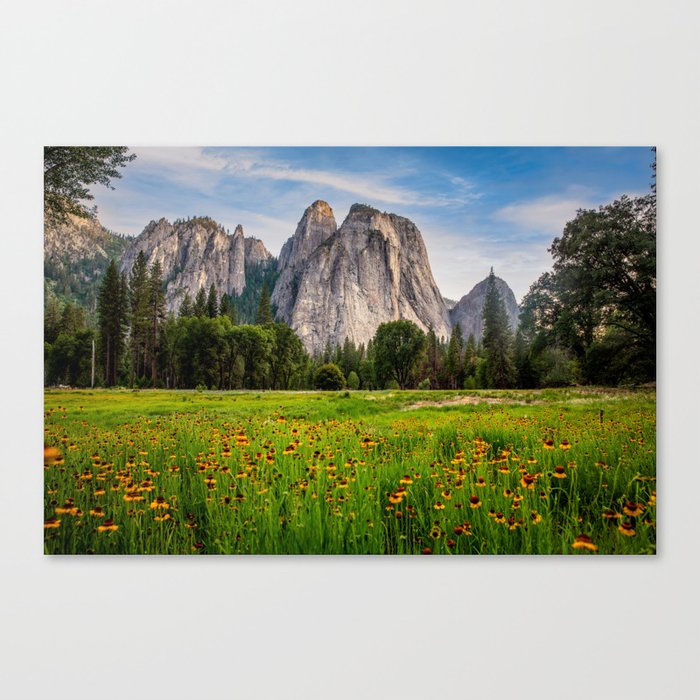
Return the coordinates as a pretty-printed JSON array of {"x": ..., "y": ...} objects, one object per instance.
[
  {"x": 470, "y": 357},
  {"x": 212, "y": 302},
  {"x": 186, "y": 308},
  {"x": 228, "y": 308},
  {"x": 52, "y": 319},
  {"x": 156, "y": 307},
  {"x": 200, "y": 303},
  {"x": 72, "y": 319},
  {"x": 112, "y": 317},
  {"x": 140, "y": 316},
  {"x": 497, "y": 339},
  {"x": 224, "y": 305},
  {"x": 453, "y": 363},
  {"x": 525, "y": 371},
  {"x": 264, "y": 314}
]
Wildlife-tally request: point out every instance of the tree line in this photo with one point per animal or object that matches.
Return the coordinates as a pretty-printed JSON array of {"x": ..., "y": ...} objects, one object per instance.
[{"x": 590, "y": 320}]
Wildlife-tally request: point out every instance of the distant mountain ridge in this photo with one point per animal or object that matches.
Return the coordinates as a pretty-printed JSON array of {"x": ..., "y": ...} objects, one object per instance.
[
  {"x": 76, "y": 255},
  {"x": 196, "y": 253},
  {"x": 331, "y": 283}
]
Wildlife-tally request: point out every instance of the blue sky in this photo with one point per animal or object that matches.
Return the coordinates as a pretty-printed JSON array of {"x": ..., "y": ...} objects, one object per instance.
[{"x": 476, "y": 207}]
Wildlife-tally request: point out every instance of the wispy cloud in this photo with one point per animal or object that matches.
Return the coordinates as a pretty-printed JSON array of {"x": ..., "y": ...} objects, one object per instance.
[
  {"x": 547, "y": 214},
  {"x": 200, "y": 167}
]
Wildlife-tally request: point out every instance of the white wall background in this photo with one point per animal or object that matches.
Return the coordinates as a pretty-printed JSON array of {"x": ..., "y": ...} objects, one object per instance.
[{"x": 308, "y": 72}]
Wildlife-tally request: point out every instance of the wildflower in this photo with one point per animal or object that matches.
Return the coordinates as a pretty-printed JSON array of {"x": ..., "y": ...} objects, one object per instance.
[
  {"x": 406, "y": 479},
  {"x": 108, "y": 526},
  {"x": 548, "y": 444},
  {"x": 584, "y": 542},
  {"x": 500, "y": 518},
  {"x": 528, "y": 481},
  {"x": 633, "y": 509},
  {"x": 52, "y": 455},
  {"x": 97, "y": 512},
  {"x": 627, "y": 529},
  {"x": 436, "y": 532},
  {"x": 439, "y": 506},
  {"x": 535, "y": 517},
  {"x": 50, "y": 523},
  {"x": 565, "y": 445},
  {"x": 474, "y": 502},
  {"x": 609, "y": 514},
  {"x": 559, "y": 472},
  {"x": 160, "y": 504},
  {"x": 133, "y": 496},
  {"x": 68, "y": 508}
]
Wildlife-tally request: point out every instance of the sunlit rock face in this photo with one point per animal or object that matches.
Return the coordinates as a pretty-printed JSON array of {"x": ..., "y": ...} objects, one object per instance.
[
  {"x": 373, "y": 269},
  {"x": 195, "y": 254}
]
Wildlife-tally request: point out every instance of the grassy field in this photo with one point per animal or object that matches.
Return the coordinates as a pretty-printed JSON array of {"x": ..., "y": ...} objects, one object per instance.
[{"x": 156, "y": 472}]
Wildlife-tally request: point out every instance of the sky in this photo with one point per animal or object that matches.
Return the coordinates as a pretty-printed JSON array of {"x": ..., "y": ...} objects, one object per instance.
[{"x": 475, "y": 207}]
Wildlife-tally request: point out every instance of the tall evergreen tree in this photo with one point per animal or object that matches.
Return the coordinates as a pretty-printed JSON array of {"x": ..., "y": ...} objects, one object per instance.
[
  {"x": 264, "y": 313},
  {"x": 186, "y": 308},
  {"x": 470, "y": 357},
  {"x": 72, "y": 318},
  {"x": 156, "y": 307},
  {"x": 453, "y": 362},
  {"x": 139, "y": 316},
  {"x": 200, "y": 303},
  {"x": 224, "y": 305},
  {"x": 228, "y": 308},
  {"x": 497, "y": 339},
  {"x": 52, "y": 319},
  {"x": 212, "y": 302},
  {"x": 112, "y": 315}
]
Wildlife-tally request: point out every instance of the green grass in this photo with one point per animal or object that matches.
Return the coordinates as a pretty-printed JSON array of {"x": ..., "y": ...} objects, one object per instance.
[{"x": 338, "y": 489}]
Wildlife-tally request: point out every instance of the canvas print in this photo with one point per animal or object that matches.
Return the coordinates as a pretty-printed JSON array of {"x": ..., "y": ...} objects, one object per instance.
[{"x": 318, "y": 350}]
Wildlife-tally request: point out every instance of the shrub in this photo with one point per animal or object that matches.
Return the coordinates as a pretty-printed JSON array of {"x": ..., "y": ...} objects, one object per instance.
[{"x": 329, "y": 377}]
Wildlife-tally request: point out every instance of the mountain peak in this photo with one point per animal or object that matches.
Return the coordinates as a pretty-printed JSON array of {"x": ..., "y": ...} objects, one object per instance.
[
  {"x": 358, "y": 210},
  {"x": 469, "y": 310},
  {"x": 195, "y": 253},
  {"x": 370, "y": 271}
]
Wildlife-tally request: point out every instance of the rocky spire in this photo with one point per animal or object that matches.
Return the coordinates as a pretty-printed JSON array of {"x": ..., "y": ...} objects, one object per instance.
[
  {"x": 316, "y": 226},
  {"x": 373, "y": 269},
  {"x": 195, "y": 254},
  {"x": 469, "y": 310}
]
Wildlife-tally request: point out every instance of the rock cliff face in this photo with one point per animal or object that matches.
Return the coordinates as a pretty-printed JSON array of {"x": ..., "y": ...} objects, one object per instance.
[
  {"x": 469, "y": 309},
  {"x": 76, "y": 255},
  {"x": 373, "y": 269},
  {"x": 195, "y": 254},
  {"x": 79, "y": 239},
  {"x": 316, "y": 225}
]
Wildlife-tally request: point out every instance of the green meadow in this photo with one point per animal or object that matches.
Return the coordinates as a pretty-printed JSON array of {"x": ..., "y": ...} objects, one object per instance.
[{"x": 570, "y": 471}]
